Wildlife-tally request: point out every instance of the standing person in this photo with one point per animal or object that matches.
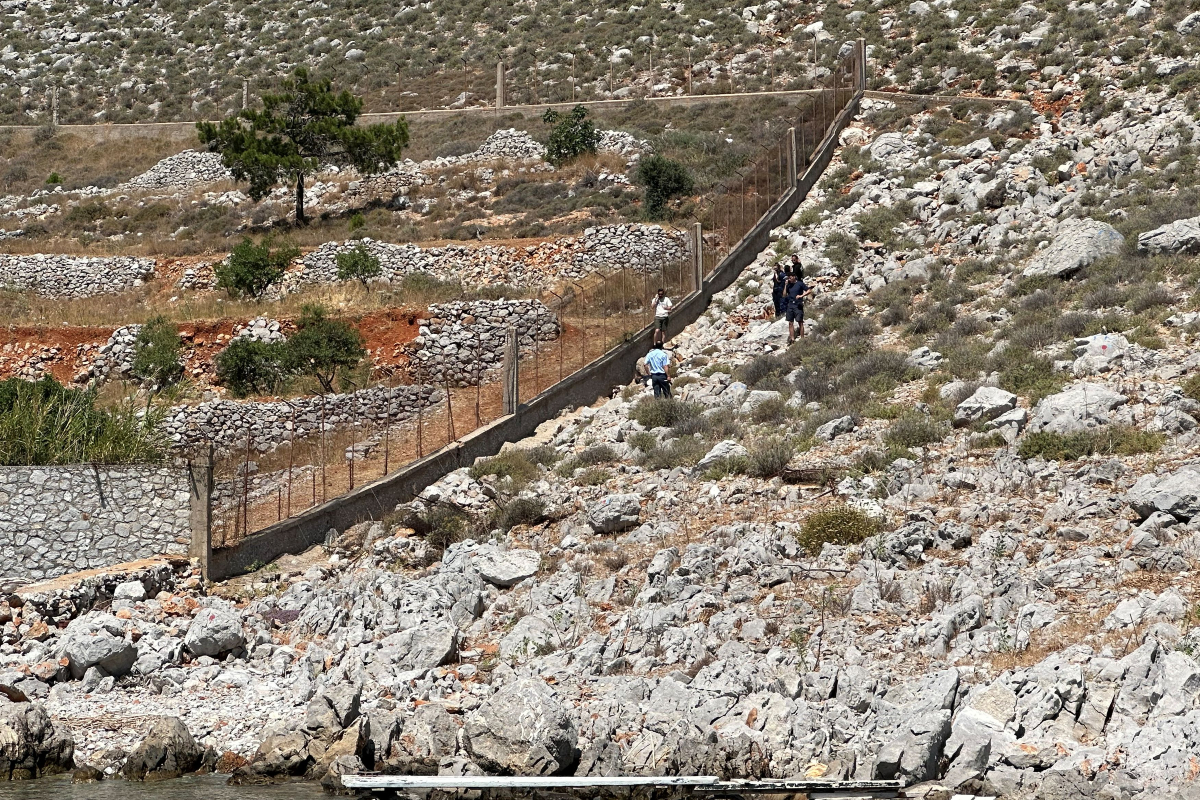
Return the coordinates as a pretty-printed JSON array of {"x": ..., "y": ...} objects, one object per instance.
[
  {"x": 662, "y": 313},
  {"x": 658, "y": 361},
  {"x": 778, "y": 283},
  {"x": 793, "y": 302}
]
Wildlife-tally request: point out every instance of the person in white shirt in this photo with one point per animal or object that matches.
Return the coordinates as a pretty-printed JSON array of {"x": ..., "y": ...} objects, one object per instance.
[{"x": 662, "y": 314}]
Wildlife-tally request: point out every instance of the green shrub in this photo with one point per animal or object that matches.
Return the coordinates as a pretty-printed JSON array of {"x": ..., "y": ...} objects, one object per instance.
[
  {"x": 1191, "y": 387},
  {"x": 43, "y": 423},
  {"x": 774, "y": 409},
  {"x": 914, "y": 430},
  {"x": 592, "y": 456},
  {"x": 726, "y": 467},
  {"x": 593, "y": 476},
  {"x": 768, "y": 457},
  {"x": 840, "y": 524},
  {"x": 358, "y": 264},
  {"x": 841, "y": 249},
  {"x": 573, "y": 135},
  {"x": 759, "y": 368},
  {"x": 1028, "y": 375},
  {"x": 684, "y": 451},
  {"x": 520, "y": 465},
  {"x": 1108, "y": 440},
  {"x": 54, "y": 179},
  {"x": 323, "y": 347},
  {"x": 156, "y": 361},
  {"x": 663, "y": 413},
  {"x": 518, "y": 511},
  {"x": 663, "y": 179},
  {"x": 252, "y": 268},
  {"x": 643, "y": 440},
  {"x": 248, "y": 366},
  {"x": 443, "y": 526}
]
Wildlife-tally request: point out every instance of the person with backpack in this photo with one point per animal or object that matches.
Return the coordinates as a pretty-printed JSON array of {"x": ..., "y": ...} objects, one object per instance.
[
  {"x": 662, "y": 314},
  {"x": 793, "y": 303},
  {"x": 658, "y": 361}
]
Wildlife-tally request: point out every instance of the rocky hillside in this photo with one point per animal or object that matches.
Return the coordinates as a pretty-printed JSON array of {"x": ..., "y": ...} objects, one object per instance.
[
  {"x": 949, "y": 536},
  {"x": 166, "y": 60}
]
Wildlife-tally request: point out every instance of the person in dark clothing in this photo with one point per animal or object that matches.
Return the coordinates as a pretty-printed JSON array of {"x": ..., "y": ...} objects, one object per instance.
[
  {"x": 778, "y": 283},
  {"x": 793, "y": 304}
]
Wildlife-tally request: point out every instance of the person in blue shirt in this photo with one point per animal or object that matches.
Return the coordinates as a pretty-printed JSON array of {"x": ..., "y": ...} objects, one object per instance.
[
  {"x": 793, "y": 303},
  {"x": 658, "y": 361}
]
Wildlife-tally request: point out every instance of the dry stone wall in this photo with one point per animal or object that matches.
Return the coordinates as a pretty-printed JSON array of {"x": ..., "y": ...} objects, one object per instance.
[
  {"x": 56, "y": 520},
  {"x": 642, "y": 247},
  {"x": 226, "y": 423},
  {"x": 72, "y": 276},
  {"x": 462, "y": 341}
]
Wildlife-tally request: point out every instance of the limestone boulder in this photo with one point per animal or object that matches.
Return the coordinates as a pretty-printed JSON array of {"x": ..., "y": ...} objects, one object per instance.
[
  {"x": 1077, "y": 243},
  {"x": 523, "y": 729},
  {"x": 31, "y": 745},
  {"x": 167, "y": 751}
]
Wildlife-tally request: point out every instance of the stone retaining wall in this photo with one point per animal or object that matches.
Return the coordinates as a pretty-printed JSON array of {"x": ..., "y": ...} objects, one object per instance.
[
  {"x": 642, "y": 247},
  {"x": 56, "y": 520},
  {"x": 71, "y": 276},
  {"x": 225, "y": 423},
  {"x": 462, "y": 341}
]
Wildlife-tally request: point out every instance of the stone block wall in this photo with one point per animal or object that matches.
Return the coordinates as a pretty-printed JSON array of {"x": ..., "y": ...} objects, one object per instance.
[
  {"x": 55, "y": 520},
  {"x": 225, "y": 423},
  {"x": 609, "y": 247},
  {"x": 461, "y": 341},
  {"x": 71, "y": 276}
]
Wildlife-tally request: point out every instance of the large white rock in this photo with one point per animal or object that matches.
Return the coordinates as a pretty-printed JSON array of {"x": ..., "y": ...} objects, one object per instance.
[
  {"x": 1177, "y": 494},
  {"x": 213, "y": 631},
  {"x": 1099, "y": 353},
  {"x": 1080, "y": 407},
  {"x": 1180, "y": 236},
  {"x": 1077, "y": 243},
  {"x": 987, "y": 403},
  {"x": 614, "y": 513},
  {"x": 506, "y": 567},
  {"x": 523, "y": 729}
]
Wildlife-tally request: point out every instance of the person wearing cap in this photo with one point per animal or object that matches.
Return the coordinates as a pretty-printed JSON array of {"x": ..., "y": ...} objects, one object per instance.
[
  {"x": 658, "y": 361},
  {"x": 793, "y": 303}
]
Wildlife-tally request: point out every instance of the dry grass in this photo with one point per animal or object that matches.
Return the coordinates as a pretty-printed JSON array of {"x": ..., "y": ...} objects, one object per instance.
[{"x": 28, "y": 158}]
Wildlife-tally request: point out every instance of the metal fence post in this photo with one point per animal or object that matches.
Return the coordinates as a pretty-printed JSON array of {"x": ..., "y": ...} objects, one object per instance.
[
  {"x": 200, "y": 478},
  {"x": 697, "y": 257},
  {"x": 791, "y": 158},
  {"x": 512, "y": 372}
]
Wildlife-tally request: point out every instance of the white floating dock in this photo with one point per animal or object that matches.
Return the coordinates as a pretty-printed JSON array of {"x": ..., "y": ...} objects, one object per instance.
[{"x": 697, "y": 784}]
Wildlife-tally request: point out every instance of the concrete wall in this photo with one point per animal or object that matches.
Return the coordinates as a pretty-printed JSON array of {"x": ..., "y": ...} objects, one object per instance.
[
  {"x": 55, "y": 520},
  {"x": 374, "y": 500}
]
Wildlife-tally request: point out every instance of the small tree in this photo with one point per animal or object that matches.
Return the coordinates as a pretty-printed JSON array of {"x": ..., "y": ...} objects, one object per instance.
[
  {"x": 248, "y": 366},
  {"x": 663, "y": 179},
  {"x": 298, "y": 130},
  {"x": 156, "y": 361},
  {"x": 252, "y": 268},
  {"x": 323, "y": 346},
  {"x": 358, "y": 264},
  {"x": 572, "y": 136}
]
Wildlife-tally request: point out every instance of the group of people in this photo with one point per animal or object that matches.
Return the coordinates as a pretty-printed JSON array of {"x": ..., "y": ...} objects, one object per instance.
[{"x": 788, "y": 292}]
